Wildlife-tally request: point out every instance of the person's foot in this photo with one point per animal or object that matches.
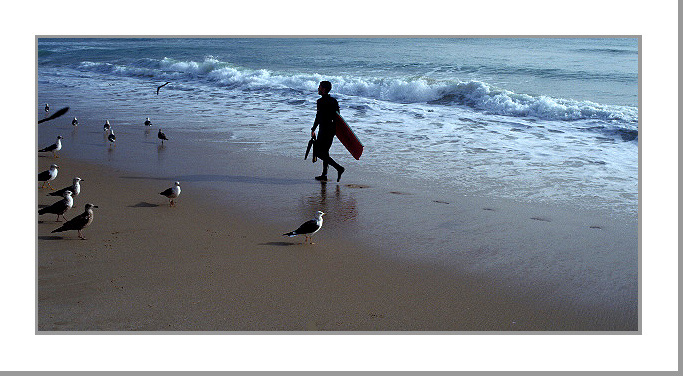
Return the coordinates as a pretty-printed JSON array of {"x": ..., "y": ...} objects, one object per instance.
[
  {"x": 340, "y": 172},
  {"x": 321, "y": 178}
]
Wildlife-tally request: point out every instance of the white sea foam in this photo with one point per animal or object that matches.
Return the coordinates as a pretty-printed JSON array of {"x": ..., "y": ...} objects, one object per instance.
[{"x": 475, "y": 94}]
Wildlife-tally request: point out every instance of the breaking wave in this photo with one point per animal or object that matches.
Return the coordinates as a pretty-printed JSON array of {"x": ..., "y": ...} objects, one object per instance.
[{"x": 475, "y": 94}]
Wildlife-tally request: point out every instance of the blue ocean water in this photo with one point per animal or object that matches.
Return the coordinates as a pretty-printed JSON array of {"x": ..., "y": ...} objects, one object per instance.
[{"x": 532, "y": 119}]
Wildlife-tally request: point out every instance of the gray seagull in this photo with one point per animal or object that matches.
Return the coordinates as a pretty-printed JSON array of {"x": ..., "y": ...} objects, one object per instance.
[
  {"x": 75, "y": 189},
  {"x": 79, "y": 222}
]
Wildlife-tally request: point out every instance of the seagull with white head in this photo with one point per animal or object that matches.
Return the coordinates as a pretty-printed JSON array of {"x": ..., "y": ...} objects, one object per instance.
[
  {"x": 54, "y": 148},
  {"x": 309, "y": 228},
  {"x": 75, "y": 188},
  {"x": 172, "y": 193},
  {"x": 111, "y": 137},
  {"x": 60, "y": 207},
  {"x": 49, "y": 175}
]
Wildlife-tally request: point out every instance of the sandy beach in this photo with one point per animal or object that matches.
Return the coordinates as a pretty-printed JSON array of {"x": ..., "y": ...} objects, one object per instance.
[{"x": 200, "y": 266}]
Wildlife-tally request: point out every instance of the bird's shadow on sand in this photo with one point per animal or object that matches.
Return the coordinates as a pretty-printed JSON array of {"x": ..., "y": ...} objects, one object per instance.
[
  {"x": 50, "y": 237},
  {"x": 143, "y": 204},
  {"x": 41, "y": 221},
  {"x": 280, "y": 244}
]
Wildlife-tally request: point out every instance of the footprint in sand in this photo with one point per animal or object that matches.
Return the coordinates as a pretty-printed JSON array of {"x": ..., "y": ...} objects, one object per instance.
[
  {"x": 596, "y": 227},
  {"x": 441, "y": 202},
  {"x": 400, "y": 193},
  {"x": 489, "y": 209},
  {"x": 541, "y": 219}
]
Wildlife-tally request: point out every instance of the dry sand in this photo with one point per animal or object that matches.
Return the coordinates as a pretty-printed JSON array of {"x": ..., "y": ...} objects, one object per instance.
[{"x": 203, "y": 267}]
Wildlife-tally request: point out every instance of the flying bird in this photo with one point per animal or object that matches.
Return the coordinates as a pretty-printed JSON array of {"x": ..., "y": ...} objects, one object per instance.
[
  {"x": 161, "y": 87},
  {"x": 148, "y": 122},
  {"x": 75, "y": 189},
  {"x": 54, "y": 148},
  {"x": 47, "y": 176},
  {"x": 60, "y": 207},
  {"x": 309, "y": 228},
  {"x": 79, "y": 222},
  {"x": 55, "y": 115},
  {"x": 162, "y": 136},
  {"x": 107, "y": 126},
  {"x": 74, "y": 122},
  {"x": 172, "y": 193}
]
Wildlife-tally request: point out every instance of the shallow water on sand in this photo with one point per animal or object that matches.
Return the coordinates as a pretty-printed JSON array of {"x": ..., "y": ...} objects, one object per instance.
[{"x": 558, "y": 253}]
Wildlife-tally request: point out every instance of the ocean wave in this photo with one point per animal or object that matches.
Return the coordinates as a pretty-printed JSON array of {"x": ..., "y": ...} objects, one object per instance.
[
  {"x": 609, "y": 51},
  {"x": 474, "y": 94}
]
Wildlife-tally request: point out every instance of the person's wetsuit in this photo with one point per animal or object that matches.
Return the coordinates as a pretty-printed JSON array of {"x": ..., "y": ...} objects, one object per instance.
[{"x": 327, "y": 107}]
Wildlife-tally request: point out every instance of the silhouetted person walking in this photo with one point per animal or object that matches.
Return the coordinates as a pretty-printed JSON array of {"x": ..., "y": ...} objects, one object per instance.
[{"x": 326, "y": 109}]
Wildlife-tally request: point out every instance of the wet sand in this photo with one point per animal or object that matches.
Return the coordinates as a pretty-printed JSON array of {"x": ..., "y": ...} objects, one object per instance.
[
  {"x": 200, "y": 266},
  {"x": 396, "y": 253}
]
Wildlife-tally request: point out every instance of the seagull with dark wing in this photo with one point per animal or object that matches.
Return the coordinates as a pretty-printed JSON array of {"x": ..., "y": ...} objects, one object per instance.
[
  {"x": 111, "y": 137},
  {"x": 79, "y": 222},
  {"x": 54, "y": 148},
  {"x": 107, "y": 126},
  {"x": 75, "y": 189},
  {"x": 162, "y": 136},
  {"x": 309, "y": 228},
  {"x": 172, "y": 193},
  {"x": 161, "y": 87},
  {"x": 148, "y": 122},
  {"x": 60, "y": 207},
  {"x": 74, "y": 122},
  {"x": 49, "y": 175}
]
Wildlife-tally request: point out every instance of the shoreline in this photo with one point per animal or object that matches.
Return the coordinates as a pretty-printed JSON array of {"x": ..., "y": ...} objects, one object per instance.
[{"x": 201, "y": 266}]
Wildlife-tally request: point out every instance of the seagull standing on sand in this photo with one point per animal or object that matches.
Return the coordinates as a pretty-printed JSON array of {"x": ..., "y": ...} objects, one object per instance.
[
  {"x": 60, "y": 207},
  {"x": 75, "y": 188},
  {"x": 47, "y": 176},
  {"x": 309, "y": 228},
  {"x": 79, "y": 222},
  {"x": 54, "y": 148},
  {"x": 162, "y": 136},
  {"x": 107, "y": 126},
  {"x": 172, "y": 193},
  {"x": 148, "y": 122},
  {"x": 74, "y": 122},
  {"x": 47, "y": 107},
  {"x": 111, "y": 137}
]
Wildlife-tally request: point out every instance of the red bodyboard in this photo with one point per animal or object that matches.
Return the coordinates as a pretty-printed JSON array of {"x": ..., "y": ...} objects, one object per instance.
[{"x": 347, "y": 137}]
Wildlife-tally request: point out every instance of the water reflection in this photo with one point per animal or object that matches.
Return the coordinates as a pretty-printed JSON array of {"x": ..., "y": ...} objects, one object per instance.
[
  {"x": 161, "y": 153},
  {"x": 337, "y": 202}
]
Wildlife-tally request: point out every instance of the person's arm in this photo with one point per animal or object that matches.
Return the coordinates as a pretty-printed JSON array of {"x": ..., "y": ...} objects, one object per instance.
[
  {"x": 315, "y": 125},
  {"x": 317, "y": 120}
]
